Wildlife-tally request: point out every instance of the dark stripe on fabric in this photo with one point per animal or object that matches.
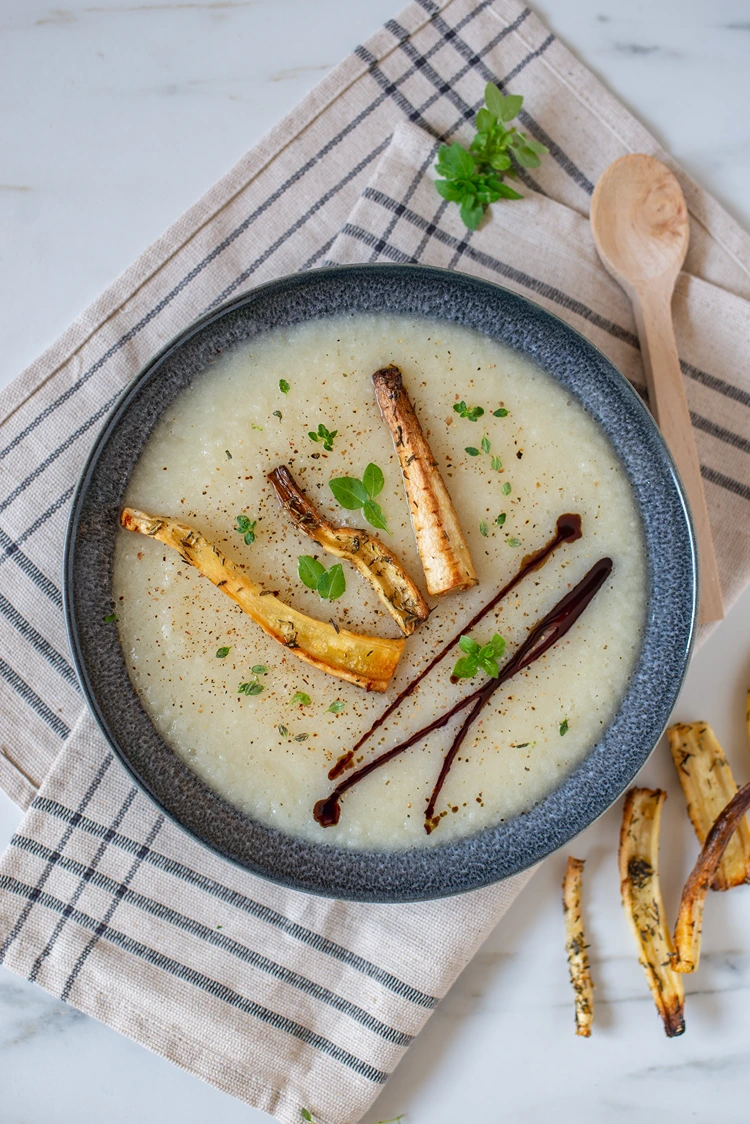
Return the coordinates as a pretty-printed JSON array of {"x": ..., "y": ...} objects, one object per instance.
[
  {"x": 450, "y": 35},
  {"x": 720, "y": 433},
  {"x": 540, "y": 287},
  {"x": 12, "y": 550},
  {"x": 197, "y": 979},
  {"x": 31, "y": 698},
  {"x": 723, "y": 481},
  {"x": 62, "y": 448},
  {"x": 502, "y": 269},
  {"x": 45, "y": 516},
  {"x": 37, "y": 641},
  {"x": 118, "y": 893},
  {"x": 714, "y": 383},
  {"x": 195, "y": 928},
  {"x": 70, "y": 823},
  {"x": 320, "y": 202},
  {"x": 226, "y": 242},
  {"x": 53, "y": 858},
  {"x": 243, "y": 903}
]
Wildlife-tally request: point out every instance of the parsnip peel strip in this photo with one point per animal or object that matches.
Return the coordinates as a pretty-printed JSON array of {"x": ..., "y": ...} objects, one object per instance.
[
  {"x": 441, "y": 544},
  {"x": 374, "y": 560},
  {"x": 708, "y": 785},
  {"x": 689, "y": 928},
  {"x": 641, "y": 898},
  {"x": 575, "y": 946},
  {"x": 367, "y": 661}
]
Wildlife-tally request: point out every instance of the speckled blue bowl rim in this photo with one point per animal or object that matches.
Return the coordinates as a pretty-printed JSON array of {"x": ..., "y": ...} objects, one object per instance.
[{"x": 492, "y": 853}]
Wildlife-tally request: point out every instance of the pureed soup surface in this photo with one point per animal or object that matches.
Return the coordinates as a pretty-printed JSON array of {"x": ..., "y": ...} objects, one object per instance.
[{"x": 206, "y": 463}]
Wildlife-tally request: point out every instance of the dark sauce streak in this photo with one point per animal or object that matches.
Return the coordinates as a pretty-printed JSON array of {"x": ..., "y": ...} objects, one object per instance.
[
  {"x": 568, "y": 530},
  {"x": 542, "y": 637}
]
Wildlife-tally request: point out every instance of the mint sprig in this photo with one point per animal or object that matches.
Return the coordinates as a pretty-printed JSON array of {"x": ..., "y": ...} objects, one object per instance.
[
  {"x": 478, "y": 656},
  {"x": 354, "y": 494},
  {"x": 473, "y": 178}
]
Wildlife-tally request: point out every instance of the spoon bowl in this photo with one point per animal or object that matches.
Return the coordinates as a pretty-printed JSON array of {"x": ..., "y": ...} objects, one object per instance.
[{"x": 640, "y": 222}]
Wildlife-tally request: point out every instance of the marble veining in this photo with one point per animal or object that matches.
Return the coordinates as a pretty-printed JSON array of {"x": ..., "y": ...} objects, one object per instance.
[{"x": 87, "y": 90}]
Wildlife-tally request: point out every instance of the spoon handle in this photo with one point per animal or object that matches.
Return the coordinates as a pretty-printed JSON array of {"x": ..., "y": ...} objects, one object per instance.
[{"x": 666, "y": 391}]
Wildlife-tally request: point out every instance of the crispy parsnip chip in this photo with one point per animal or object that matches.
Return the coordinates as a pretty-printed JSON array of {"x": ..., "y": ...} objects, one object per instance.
[
  {"x": 708, "y": 785},
  {"x": 575, "y": 946},
  {"x": 367, "y": 661},
  {"x": 441, "y": 544},
  {"x": 371, "y": 557},
  {"x": 689, "y": 928},
  {"x": 644, "y": 908}
]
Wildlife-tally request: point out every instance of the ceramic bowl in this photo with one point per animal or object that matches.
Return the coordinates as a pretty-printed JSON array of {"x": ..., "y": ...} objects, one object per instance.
[{"x": 494, "y": 852}]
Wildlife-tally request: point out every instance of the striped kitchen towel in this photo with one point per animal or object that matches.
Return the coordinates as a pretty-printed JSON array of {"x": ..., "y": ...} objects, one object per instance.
[{"x": 284, "y": 999}]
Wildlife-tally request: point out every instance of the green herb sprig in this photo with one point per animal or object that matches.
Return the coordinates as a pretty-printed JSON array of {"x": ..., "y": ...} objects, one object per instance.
[
  {"x": 300, "y": 698},
  {"x": 325, "y": 436},
  {"x": 336, "y": 707},
  {"x": 478, "y": 656},
  {"x": 473, "y": 178},
  {"x": 473, "y": 413},
  {"x": 284, "y": 386},
  {"x": 246, "y": 528},
  {"x": 328, "y": 584},
  {"x": 564, "y": 727},
  {"x": 253, "y": 687},
  {"x": 354, "y": 494}
]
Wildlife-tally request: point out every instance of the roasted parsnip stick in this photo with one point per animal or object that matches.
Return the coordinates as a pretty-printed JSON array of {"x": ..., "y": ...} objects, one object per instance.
[
  {"x": 367, "y": 661},
  {"x": 689, "y": 928},
  {"x": 575, "y": 946},
  {"x": 372, "y": 558},
  {"x": 708, "y": 785},
  {"x": 641, "y": 899},
  {"x": 440, "y": 541}
]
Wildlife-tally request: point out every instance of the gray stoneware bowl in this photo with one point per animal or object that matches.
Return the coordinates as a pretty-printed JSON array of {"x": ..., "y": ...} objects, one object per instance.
[{"x": 492, "y": 853}]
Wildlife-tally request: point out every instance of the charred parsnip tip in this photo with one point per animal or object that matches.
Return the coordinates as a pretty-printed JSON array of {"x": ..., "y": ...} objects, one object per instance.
[
  {"x": 372, "y": 558},
  {"x": 708, "y": 785},
  {"x": 367, "y": 661},
  {"x": 575, "y": 946},
  {"x": 687, "y": 934},
  {"x": 440, "y": 541},
  {"x": 641, "y": 899}
]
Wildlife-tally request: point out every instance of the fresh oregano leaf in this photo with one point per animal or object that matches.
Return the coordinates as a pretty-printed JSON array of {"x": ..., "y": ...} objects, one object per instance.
[
  {"x": 349, "y": 492},
  {"x": 309, "y": 570},
  {"x": 373, "y": 481},
  {"x": 373, "y": 513},
  {"x": 331, "y": 583}
]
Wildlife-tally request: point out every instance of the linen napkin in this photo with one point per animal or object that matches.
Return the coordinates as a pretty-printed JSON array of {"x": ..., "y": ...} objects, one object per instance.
[{"x": 284, "y": 999}]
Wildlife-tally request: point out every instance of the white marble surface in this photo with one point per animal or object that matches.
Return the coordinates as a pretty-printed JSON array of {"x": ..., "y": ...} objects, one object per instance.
[{"x": 88, "y": 93}]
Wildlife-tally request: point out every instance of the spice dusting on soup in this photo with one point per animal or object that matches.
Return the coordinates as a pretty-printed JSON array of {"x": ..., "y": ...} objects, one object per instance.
[{"x": 267, "y": 704}]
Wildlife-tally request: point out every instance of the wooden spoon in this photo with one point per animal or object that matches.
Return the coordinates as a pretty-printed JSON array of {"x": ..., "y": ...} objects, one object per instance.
[{"x": 640, "y": 224}]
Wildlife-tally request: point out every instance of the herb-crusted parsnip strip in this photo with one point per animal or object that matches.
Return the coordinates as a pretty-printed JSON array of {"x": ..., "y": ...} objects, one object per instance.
[
  {"x": 644, "y": 908},
  {"x": 371, "y": 557},
  {"x": 575, "y": 946},
  {"x": 689, "y": 928},
  {"x": 367, "y": 661},
  {"x": 708, "y": 785},
  {"x": 440, "y": 541}
]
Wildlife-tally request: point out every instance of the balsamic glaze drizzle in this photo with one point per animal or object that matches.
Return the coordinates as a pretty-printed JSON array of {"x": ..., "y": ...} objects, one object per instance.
[
  {"x": 568, "y": 530},
  {"x": 540, "y": 639}
]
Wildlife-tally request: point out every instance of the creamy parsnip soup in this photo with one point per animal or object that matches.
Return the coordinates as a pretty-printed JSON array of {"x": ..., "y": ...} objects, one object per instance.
[{"x": 263, "y": 728}]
